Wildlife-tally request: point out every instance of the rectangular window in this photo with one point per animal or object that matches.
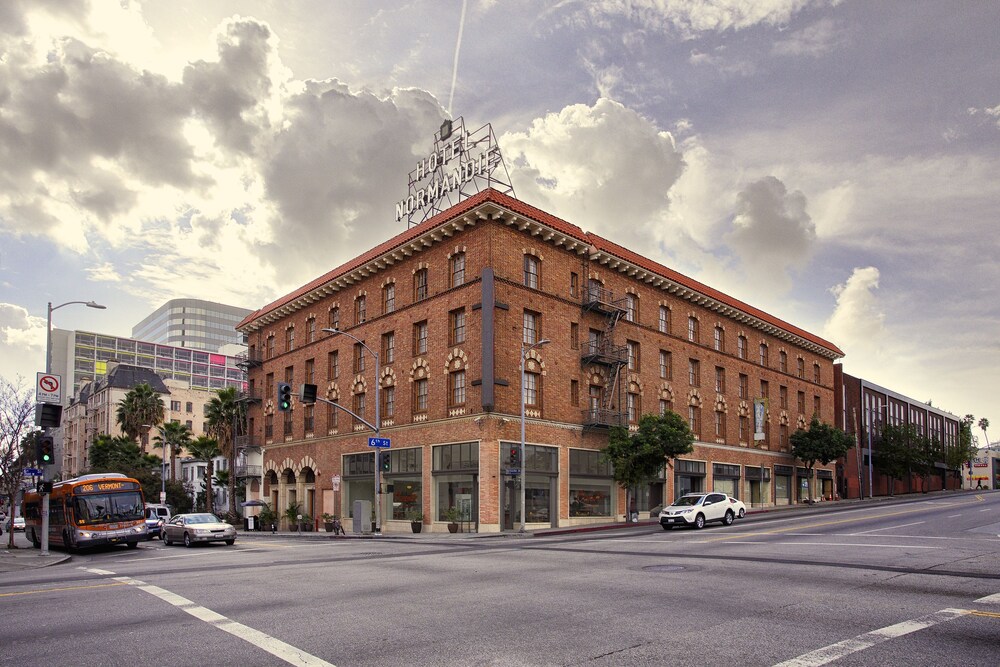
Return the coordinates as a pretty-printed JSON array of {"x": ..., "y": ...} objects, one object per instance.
[
  {"x": 632, "y": 348},
  {"x": 720, "y": 339},
  {"x": 420, "y": 285},
  {"x": 664, "y": 323},
  {"x": 720, "y": 426},
  {"x": 456, "y": 390},
  {"x": 420, "y": 338},
  {"x": 574, "y": 284},
  {"x": 693, "y": 329},
  {"x": 532, "y": 327},
  {"x": 530, "y": 389},
  {"x": 531, "y": 271},
  {"x": 631, "y": 307},
  {"x": 666, "y": 372},
  {"x": 783, "y": 397},
  {"x": 458, "y": 269},
  {"x": 694, "y": 419},
  {"x": 694, "y": 373},
  {"x": 359, "y": 358},
  {"x": 360, "y": 310},
  {"x": 388, "y": 395},
  {"x": 457, "y": 326},
  {"x": 311, "y": 329},
  {"x": 175, "y": 406},
  {"x": 816, "y": 373},
  {"x": 765, "y": 389},
  {"x": 801, "y": 402},
  {"x": 591, "y": 487},
  {"x": 816, "y": 405},
  {"x": 388, "y": 347},
  {"x": 309, "y": 418},
  {"x": 333, "y": 361},
  {"x": 335, "y": 318},
  {"x": 720, "y": 380},
  {"x": 800, "y": 367},
  {"x": 310, "y": 371},
  {"x": 574, "y": 336},
  {"x": 632, "y": 407},
  {"x": 744, "y": 386},
  {"x": 574, "y": 393},
  {"x": 741, "y": 347},
  {"x": 420, "y": 395},
  {"x": 744, "y": 429},
  {"x": 389, "y": 298},
  {"x": 359, "y": 408},
  {"x": 289, "y": 339},
  {"x": 664, "y": 406},
  {"x": 783, "y": 361}
]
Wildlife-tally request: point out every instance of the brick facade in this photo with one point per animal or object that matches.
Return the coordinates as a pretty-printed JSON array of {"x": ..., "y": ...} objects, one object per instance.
[{"x": 495, "y": 233}]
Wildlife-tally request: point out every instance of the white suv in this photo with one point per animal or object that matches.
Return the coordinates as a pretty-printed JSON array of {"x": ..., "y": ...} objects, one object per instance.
[{"x": 697, "y": 509}]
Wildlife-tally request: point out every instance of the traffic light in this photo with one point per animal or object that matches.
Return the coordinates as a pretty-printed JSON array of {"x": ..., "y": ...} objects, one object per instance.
[
  {"x": 45, "y": 487},
  {"x": 284, "y": 397},
  {"x": 515, "y": 457},
  {"x": 46, "y": 452},
  {"x": 383, "y": 461},
  {"x": 307, "y": 393}
]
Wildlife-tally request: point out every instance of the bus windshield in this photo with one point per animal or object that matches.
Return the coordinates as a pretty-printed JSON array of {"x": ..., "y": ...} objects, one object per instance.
[{"x": 101, "y": 508}]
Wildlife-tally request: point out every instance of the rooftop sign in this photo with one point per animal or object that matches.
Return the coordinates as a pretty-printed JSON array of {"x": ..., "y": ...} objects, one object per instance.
[{"x": 461, "y": 164}]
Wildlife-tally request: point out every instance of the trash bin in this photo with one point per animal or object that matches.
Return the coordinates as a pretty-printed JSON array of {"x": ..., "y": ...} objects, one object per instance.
[{"x": 251, "y": 522}]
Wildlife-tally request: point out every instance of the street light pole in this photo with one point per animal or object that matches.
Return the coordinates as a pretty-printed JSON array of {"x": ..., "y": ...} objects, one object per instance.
[
  {"x": 524, "y": 353},
  {"x": 48, "y": 370},
  {"x": 377, "y": 426}
]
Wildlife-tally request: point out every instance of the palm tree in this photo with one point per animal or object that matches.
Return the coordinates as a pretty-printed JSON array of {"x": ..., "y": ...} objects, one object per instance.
[
  {"x": 175, "y": 435},
  {"x": 205, "y": 449},
  {"x": 141, "y": 409},
  {"x": 225, "y": 416}
]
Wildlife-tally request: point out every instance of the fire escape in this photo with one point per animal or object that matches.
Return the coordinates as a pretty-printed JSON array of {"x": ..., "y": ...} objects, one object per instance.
[
  {"x": 249, "y": 457},
  {"x": 604, "y": 411}
]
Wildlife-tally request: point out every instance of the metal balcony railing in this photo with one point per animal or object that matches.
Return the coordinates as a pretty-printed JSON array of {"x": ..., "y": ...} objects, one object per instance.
[
  {"x": 603, "y": 300},
  {"x": 603, "y": 352},
  {"x": 250, "y": 358},
  {"x": 246, "y": 442},
  {"x": 603, "y": 417},
  {"x": 244, "y": 471}
]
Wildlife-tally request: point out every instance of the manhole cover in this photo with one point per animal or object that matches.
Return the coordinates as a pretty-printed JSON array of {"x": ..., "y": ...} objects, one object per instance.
[{"x": 664, "y": 568}]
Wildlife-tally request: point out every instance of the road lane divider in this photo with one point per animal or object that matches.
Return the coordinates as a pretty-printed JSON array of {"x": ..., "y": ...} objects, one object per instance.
[
  {"x": 62, "y": 588},
  {"x": 276, "y": 647},
  {"x": 989, "y": 599}
]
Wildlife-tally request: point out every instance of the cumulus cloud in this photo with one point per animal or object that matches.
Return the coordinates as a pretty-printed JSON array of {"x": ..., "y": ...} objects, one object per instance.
[
  {"x": 858, "y": 322},
  {"x": 772, "y": 232},
  {"x": 20, "y": 331},
  {"x": 603, "y": 167}
]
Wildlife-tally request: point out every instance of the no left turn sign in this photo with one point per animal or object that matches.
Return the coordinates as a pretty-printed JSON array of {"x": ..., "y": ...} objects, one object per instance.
[{"x": 48, "y": 388}]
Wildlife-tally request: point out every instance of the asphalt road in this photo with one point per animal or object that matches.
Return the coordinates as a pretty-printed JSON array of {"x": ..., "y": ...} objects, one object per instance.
[{"x": 915, "y": 583}]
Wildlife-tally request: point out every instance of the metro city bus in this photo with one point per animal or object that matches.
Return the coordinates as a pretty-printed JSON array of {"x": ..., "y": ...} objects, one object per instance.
[{"x": 89, "y": 511}]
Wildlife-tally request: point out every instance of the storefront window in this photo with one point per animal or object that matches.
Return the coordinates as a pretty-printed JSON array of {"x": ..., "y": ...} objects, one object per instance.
[
  {"x": 689, "y": 477},
  {"x": 359, "y": 480},
  {"x": 590, "y": 484},
  {"x": 782, "y": 485},
  {"x": 456, "y": 474},
  {"x": 726, "y": 479},
  {"x": 758, "y": 485},
  {"x": 404, "y": 476}
]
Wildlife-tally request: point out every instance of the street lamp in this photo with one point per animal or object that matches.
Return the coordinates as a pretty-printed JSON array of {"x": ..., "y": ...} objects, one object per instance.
[
  {"x": 48, "y": 328},
  {"x": 375, "y": 427},
  {"x": 163, "y": 464},
  {"x": 48, "y": 370},
  {"x": 524, "y": 353}
]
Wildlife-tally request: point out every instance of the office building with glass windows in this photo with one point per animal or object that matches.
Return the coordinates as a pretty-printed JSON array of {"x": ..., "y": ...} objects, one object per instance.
[
  {"x": 191, "y": 323},
  {"x": 435, "y": 324}
]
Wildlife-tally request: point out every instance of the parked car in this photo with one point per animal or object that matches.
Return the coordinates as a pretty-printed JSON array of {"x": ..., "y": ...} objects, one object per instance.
[
  {"x": 697, "y": 509},
  {"x": 18, "y": 523},
  {"x": 156, "y": 516},
  {"x": 194, "y": 528},
  {"x": 737, "y": 505}
]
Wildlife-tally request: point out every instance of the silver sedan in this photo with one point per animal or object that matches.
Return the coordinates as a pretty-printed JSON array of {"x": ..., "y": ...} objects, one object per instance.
[{"x": 194, "y": 528}]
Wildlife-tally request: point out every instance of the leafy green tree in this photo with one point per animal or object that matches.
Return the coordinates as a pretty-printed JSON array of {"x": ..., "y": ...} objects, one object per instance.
[
  {"x": 636, "y": 458},
  {"x": 225, "y": 417},
  {"x": 140, "y": 408},
  {"x": 822, "y": 443},
  {"x": 174, "y": 435},
  {"x": 964, "y": 450},
  {"x": 984, "y": 424},
  {"x": 205, "y": 449},
  {"x": 901, "y": 453},
  {"x": 119, "y": 454}
]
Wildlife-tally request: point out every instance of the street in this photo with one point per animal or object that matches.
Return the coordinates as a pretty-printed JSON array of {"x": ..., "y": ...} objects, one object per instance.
[{"x": 908, "y": 582}]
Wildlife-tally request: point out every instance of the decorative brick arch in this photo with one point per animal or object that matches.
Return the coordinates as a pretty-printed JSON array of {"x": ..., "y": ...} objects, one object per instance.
[
  {"x": 456, "y": 360},
  {"x": 359, "y": 386},
  {"x": 694, "y": 398},
  {"x": 666, "y": 392},
  {"x": 744, "y": 409},
  {"x": 783, "y": 418},
  {"x": 720, "y": 405},
  {"x": 387, "y": 281},
  {"x": 533, "y": 363},
  {"x": 388, "y": 378},
  {"x": 533, "y": 252},
  {"x": 459, "y": 249},
  {"x": 634, "y": 381},
  {"x": 419, "y": 370},
  {"x": 801, "y": 422},
  {"x": 420, "y": 266}
]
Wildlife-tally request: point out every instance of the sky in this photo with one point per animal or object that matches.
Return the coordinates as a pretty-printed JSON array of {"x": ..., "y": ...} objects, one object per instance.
[{"x": 834, "y": 163}]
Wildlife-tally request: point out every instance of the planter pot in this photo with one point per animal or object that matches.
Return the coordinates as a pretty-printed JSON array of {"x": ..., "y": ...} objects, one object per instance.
[
  {"x": 328, "y": 526},
  {"x": 415, "y": 526},
  {"x": 452, "y": 527}
]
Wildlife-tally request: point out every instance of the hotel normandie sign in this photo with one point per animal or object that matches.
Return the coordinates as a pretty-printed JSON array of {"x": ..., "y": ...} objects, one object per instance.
[{"x": 461, "y": 164}]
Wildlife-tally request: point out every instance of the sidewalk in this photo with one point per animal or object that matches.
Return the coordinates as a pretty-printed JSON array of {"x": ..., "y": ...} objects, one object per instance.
[{"x": 26, "y": 557}]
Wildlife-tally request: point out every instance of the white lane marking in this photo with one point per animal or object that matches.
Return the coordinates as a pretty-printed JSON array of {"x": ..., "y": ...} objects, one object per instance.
[
  {"x": 875, "y": 530},
  {"x": 988, "y": 509},
  {"x": 989, "y": 599},
  {"x": 276, "y": 647},
  {"x": 828, "y": 654},
  {"x": 832, "y": 544},
  {"x": 952, "y": 516}
]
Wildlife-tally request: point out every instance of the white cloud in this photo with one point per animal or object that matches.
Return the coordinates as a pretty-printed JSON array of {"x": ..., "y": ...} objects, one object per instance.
[
  {"x": 814, "y": 40},
  {"x": 19, "y": 331},
  {"x": 857, "y": 324}
]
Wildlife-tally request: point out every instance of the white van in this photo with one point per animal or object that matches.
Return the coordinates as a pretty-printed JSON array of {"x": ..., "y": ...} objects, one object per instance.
[{"x": 156, "y": 516}]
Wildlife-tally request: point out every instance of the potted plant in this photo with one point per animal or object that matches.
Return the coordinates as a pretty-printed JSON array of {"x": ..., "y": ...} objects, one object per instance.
[
  {"x": 292, "y": 515},
  {"x": 328, "y": 521},
  {"x": 416, "y": 520},
  {"x": 453, "y": 516},
  {"x": 268, "y": 519}
]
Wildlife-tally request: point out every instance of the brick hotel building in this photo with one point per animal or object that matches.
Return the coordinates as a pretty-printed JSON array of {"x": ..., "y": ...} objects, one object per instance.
[{"x": 449, "y": 304}]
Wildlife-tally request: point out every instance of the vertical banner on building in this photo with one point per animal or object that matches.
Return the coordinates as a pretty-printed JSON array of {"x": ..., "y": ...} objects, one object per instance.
[{"x": 759, "y": 412}]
